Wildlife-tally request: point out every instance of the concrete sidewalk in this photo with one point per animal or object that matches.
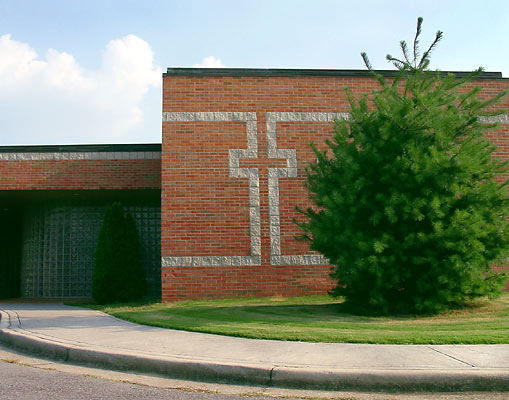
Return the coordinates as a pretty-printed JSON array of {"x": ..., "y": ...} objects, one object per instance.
[{"x": 88, "y": 337}]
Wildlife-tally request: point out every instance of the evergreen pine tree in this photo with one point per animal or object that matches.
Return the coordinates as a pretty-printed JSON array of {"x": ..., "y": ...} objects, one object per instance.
[
  {"x": 407, "y": 207},
  {"x": 118, "y": 274}
]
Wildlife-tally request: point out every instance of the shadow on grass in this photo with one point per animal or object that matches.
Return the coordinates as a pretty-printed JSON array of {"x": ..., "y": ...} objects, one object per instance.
[{"x": 202, "y": 316}]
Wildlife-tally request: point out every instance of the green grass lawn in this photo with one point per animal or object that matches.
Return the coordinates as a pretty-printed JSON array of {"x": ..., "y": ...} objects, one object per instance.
[{"x": 322, "y": 319}]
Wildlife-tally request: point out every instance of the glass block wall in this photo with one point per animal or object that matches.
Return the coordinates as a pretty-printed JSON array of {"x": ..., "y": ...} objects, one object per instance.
[
  {"x": 148, "y": 221},
  {"x": 59, "y": 242}
]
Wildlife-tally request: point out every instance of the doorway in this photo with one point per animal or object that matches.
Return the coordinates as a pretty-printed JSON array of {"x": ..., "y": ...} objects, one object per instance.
[{"x": 10, "y": 250}]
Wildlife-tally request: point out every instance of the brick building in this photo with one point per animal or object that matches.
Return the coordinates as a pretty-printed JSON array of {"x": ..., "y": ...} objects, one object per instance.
[{"x": 220, "y": 192}]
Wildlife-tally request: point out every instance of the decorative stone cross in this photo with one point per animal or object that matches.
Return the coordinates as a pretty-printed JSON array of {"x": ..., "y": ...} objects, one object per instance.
[{"x": 251, "y": 173}]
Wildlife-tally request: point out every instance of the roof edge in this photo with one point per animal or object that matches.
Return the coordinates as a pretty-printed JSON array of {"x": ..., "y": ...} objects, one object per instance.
[
  {"x": 181, "y": 71},
  {"x": 71, "y": 148}
]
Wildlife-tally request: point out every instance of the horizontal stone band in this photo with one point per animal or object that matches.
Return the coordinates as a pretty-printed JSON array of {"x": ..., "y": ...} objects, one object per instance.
[
  {"x": 211, "y": 261},
  {"x": 56, "y": 156},
  {"x": 305, "y": 259},
  {"x": 207, "y": 116},
  {"x": 500, "y": 119}
]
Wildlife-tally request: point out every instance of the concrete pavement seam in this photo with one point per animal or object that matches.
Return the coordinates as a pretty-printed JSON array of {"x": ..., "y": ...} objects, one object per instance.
[{"x": 448, "y": 355}]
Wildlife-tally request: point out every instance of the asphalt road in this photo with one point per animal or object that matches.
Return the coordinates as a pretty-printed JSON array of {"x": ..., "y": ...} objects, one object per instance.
[
  {"x": 28, "y": 378},
  {"x": 27, "y": 383}
]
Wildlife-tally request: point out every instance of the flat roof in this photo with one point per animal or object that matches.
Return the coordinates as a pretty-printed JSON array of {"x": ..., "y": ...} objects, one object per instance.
[
  {"x": 71, "y": 148},
  {"x": 172, "y": 71}
]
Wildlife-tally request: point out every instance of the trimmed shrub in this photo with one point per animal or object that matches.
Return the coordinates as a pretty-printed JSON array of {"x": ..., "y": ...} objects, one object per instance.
[{"x": 118, "y": 274}]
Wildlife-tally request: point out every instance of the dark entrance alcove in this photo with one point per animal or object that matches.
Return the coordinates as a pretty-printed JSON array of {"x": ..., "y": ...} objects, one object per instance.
[
  {"x": 10, "y": 250},
  {"x": 48, "y": 239}
]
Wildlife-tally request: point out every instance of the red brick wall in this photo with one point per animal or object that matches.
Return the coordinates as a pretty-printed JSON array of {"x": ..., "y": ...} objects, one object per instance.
[
  {"x": 79, "y": 174},
  {"x": 207, "y": 211}
]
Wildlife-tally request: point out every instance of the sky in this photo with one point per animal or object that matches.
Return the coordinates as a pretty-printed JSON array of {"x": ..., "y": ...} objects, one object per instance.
[{"x": 90, "y": 71}]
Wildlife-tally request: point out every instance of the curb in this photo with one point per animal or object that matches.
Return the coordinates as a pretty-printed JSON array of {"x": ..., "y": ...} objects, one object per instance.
[
  {"x": 173, "y": 368},
  {"x": 486, "y": 380}
]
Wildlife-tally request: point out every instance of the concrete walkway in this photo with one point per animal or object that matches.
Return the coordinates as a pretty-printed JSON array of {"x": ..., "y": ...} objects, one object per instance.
[{"x": 88, "y": 337}]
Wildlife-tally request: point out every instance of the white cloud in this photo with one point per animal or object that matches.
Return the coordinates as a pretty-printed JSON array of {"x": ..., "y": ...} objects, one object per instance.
[
  {"x": 55, "y": 100},
  {"x": 62, "y": 72},
  {"x": 210, "y": 62},
  {"x": 17, "y": 62}
]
